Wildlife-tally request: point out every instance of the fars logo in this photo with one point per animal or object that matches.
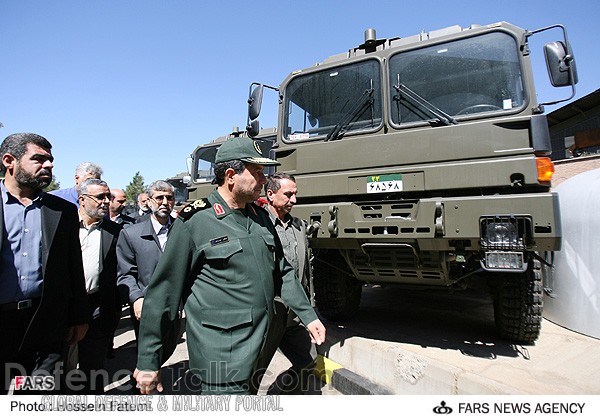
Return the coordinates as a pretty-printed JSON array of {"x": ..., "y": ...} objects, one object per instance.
[
  {"x": 442, "y": 409},
  {"x": 34, "y": 382}
]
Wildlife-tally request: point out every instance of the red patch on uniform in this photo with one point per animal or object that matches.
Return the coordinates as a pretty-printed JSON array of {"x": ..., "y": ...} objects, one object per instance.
[{"x": 218, "y": 209}]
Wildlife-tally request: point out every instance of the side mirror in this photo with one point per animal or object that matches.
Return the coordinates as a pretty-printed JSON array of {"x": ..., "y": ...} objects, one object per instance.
[
  {"x": 561, "y": 64},
  {"x": 255, "y": 102},
  {"x": 253, "y": 128},
  {"x": 186, "y": 180}
]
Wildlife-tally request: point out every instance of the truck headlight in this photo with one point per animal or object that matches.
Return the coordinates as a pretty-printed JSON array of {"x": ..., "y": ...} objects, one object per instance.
[
  {"x": 504, "y": 260},
  {"x": 506, "y": 232},
  {"x": 502, "y": 233}
]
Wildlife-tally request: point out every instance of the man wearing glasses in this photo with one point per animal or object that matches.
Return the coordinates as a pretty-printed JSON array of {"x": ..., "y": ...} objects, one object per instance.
[
  {"x": 138, "y": 251},
  {"x": 98, "y": 238}
]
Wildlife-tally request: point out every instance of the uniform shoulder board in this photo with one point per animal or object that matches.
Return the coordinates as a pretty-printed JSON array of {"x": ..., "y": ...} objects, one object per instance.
[{"x": 192, "y": 208}]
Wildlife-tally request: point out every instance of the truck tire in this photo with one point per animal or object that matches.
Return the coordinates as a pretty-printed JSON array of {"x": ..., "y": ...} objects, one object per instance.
[
  {"x": 337, "y": 292},
  {"x": 518, "y": 303}
]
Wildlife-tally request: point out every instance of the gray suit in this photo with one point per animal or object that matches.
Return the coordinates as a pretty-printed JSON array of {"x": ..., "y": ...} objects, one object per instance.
[
  {"x": 138, "y": 252},
  {"x": 303, "y": 255}
]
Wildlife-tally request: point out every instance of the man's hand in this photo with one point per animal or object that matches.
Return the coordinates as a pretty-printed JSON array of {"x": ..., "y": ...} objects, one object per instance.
[
  {"x": 147, "y": 381},
  {"x": 137, "y": 308},
  {"x": 75, "y": 333},
  {"x": 317, "y": 332}
]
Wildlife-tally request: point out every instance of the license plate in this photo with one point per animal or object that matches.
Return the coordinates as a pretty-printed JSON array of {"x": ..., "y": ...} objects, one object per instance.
[{"x": 387, "y": 183}]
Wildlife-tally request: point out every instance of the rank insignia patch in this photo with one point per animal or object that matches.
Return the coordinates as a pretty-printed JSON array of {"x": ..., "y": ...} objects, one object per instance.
[
  {"x": 219, "y": 209},
  {"x": 191, "y": 208}
]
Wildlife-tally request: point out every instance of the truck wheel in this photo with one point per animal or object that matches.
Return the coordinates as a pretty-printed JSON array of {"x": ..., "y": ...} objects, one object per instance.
[
  {"x": 337, "y": 292},
  {"x": 518, "y": 303}
]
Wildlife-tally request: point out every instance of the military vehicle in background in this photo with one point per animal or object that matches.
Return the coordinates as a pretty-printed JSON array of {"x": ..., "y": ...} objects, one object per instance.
[
  {"x": 423, "y": 161},
  {"x": 203, "y": 159},
  {"x": 180, "y": 182}
]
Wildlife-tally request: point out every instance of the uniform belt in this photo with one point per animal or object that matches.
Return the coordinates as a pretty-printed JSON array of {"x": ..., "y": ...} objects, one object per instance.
[{"x": 20, "y": 305}]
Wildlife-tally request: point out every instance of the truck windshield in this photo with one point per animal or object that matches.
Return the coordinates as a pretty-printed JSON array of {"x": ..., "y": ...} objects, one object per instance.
[
  {"x": 202, "y": 163},
  {"x": 324, "y": 104},
  {"x": 459, "y": 78},
  {"x": 181, "y": 192}
]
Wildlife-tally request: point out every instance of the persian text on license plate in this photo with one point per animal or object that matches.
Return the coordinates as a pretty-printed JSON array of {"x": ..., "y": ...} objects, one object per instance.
[{"x": 387, "y": 183}]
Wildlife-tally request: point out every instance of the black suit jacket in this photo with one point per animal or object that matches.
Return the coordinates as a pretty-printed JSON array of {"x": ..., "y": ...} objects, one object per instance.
[
  {"x": 64, "y": 299},
  {"x": 109, "y": 299},
  {"x": 122, "y": 219}
]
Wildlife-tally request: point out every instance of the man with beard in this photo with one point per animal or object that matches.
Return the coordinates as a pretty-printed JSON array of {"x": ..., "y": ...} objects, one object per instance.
[
  {"x": 43, "y": 302},
  {"x": 139, "y": 249},
  {"x": 98, "y": 238},
  {"x": 225, "y": 260},
  {"x": 143, "y": 201}
]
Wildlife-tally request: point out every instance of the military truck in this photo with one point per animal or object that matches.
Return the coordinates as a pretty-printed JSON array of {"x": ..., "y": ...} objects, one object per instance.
[
  {"x": 180, "y": 183},
  {"x": 203, "y": 158},
  {"x": 423, "y": 161}
]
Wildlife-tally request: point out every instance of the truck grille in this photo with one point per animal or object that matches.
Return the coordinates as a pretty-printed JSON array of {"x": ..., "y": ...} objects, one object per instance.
[{"x": 396, "y": 265}]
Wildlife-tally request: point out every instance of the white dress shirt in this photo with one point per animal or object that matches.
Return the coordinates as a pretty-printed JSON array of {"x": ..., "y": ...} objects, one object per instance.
[
  {"x": 91, "y": 240},
  {"x": 161, "y": 231}
]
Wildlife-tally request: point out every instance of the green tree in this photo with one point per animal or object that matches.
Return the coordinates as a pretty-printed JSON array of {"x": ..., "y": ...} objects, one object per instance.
[
  {"x": 54, "y": 185},
  {"x": 134, "y": 188}
]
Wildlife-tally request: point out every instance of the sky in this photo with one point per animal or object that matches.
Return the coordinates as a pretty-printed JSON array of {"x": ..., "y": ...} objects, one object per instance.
[{"x": 136, "y": 85}]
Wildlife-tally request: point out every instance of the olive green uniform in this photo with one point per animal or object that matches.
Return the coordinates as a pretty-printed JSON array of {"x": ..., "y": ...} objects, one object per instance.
[{"x": 227, "y": 265}]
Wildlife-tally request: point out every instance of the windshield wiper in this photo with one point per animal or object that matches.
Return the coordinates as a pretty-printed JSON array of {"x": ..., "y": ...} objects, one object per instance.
[
  {"x": 422, "y": 104},
  {"x": 364, "y": 101}
]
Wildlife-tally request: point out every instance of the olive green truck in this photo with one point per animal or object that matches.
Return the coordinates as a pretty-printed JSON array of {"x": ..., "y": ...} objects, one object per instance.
[{"x": 424, "y": 162}]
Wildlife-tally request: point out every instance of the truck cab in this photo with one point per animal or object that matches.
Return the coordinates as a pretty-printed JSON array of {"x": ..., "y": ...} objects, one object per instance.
[
  {"x": 203, "y": 159},
  {"x": 424, "y": 161}
]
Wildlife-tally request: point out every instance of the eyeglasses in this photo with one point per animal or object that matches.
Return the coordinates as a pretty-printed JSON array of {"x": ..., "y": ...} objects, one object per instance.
[
  {"x": 160, "y": 199},
  {"x": 99, "y": 198}
]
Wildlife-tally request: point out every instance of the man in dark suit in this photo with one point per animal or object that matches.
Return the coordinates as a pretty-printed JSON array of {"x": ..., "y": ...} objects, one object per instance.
[
  {"x": 144, "y": 211},
  {"x": 98, "y": 238},
  {"x": 42, "y": 289},
  {"x": 116, "y": 207},
  {"x": 118, "y": 202},
  {"x": 138, "y": 250}
]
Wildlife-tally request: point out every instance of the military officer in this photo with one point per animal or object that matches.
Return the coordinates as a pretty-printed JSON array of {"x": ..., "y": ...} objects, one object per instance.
[{"x": 224, "y": 260}]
